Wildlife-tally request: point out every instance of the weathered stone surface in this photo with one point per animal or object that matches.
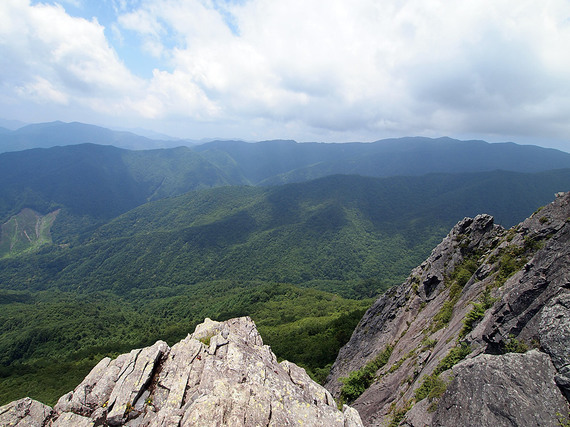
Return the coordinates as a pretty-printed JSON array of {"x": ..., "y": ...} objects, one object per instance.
[
  {"x": 420, "y": 415},
  {"x": 527, "y": 273},
  {"x": 94, "y": 390},
  {"x": 134, "y": 378},
  {"x": 71, "y": 419},
  {"x": 115, "y": 385},
  {"x": 24, "y": 412},
  {"x": 554, "y": 337},
  {"x": 528, "y": 293},
  {"x": 507, "y": 390},
  {"x": 220, "y": 375}
]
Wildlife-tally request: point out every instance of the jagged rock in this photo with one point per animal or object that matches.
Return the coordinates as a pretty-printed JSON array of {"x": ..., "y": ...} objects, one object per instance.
[
  {"x": 525, "y": 297},
  {"x": 24, "y": 412},
  {"x": 400, "y": 310},
  {"x": 220, "y": 375},
  {"x": 508, "y": 390},
  {"x": 524, "y": 274}
]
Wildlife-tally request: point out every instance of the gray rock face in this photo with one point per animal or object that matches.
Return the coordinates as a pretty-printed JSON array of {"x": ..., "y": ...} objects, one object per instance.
[
  {"x": 554, "y": 336},
  {"x": 523, "y": 276},
  {"x": 24, "y": 412},
  {"x": 220, "y": 375},
  {"x": 508, "y": 390}
]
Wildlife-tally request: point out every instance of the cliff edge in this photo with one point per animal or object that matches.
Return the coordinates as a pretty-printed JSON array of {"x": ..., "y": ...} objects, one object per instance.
[{"x": 477, "y": 335}]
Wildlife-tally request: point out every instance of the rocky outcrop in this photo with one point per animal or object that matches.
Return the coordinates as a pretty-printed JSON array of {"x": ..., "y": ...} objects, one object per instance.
[
  {"x": 222, "y": 374},
  {"x": 24, "y": 412},
  {"x": 511, "y": 389},
  {"x": 483, "y": 293}
]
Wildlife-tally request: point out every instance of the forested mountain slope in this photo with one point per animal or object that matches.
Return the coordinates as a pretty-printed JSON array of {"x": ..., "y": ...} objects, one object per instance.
[
  {"x": 339, "y": 228},
  {"x": 93, "y": 183}
]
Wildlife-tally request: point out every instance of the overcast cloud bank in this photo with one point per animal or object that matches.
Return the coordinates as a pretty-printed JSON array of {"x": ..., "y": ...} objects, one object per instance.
[{"x": 309, "y": 70}]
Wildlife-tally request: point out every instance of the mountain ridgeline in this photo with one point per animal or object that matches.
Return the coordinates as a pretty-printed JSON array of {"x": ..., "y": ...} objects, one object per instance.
[
  {"x": 93, "y": 184},
  {"x": 46, "y": 135},
  {"x": 279, "y": 162}
]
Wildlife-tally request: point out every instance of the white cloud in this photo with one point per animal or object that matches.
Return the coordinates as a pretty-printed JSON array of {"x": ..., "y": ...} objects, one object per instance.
[
  {"x": 49, "y": 54},
  {"x": 329, "y": 68},
  {"x": 43, "y": 92}
]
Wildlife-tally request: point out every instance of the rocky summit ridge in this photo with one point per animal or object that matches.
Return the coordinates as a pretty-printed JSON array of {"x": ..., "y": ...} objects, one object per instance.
[
  {"x": 221, "y": 375},
  {"x": 478, "y": 334}
]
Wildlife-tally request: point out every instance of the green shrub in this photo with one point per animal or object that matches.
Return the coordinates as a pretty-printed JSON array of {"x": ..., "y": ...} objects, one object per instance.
[
  {"x": 509, "y": 263},
  {"x": 358, "y": 381},
  {"x": 533, "y": 243},
  {"x": 428, "y": 343},
  {"x": 206, "y": 340},
  {"x": 399, "y": 414},
  {"x": 562, "y": 420},
  {"x": 486, "y": 301},
  {"x": 455, "y": 355},
  {"x": 456, "y": 281},
  {"x": 443, "y": 316},
  {"x": 432, "y": 387},
  {"x": 515, "y": 346}
]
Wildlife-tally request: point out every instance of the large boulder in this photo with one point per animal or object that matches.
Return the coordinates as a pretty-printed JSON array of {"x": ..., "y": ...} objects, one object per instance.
[{"x": 506, "y": 390}]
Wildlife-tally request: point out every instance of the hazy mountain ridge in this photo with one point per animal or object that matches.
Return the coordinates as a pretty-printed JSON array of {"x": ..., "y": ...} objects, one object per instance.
[
  {"x": 278, "y": 162},
  {"x": 52, "y": 134}
]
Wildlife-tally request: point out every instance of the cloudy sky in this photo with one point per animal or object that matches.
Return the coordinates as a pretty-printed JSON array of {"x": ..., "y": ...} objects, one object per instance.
[{"x": 310, "y": 70}]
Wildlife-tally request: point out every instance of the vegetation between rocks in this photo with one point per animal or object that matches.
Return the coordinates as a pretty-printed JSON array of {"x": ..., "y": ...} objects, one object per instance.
[{"x": 358, "y": 381}]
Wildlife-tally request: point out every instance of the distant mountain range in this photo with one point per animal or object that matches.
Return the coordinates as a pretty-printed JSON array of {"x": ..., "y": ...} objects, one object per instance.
[
  {"x": 99, "y": 182},
  {"x": 278, "y": 162},
  {"x": 281, "y": 161},
  {"x": 46, "y": 135}
]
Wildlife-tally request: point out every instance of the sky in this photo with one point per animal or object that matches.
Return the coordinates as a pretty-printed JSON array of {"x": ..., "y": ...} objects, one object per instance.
[{"x": 309, "y": 70}]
